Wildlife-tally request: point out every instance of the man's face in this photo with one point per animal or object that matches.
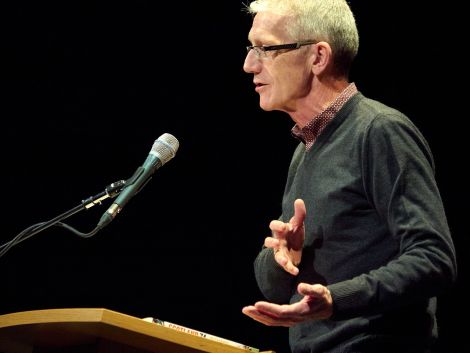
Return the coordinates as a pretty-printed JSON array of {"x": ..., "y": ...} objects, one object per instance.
[{"x": 281, "y": 77}]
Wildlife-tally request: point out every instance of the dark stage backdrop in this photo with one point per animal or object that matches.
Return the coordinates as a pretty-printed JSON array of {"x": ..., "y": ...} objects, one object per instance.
[{"x": 86, "y": 88}]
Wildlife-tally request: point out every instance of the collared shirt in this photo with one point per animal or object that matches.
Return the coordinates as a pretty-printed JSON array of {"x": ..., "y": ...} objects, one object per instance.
[{"x": 309, "y": 133}]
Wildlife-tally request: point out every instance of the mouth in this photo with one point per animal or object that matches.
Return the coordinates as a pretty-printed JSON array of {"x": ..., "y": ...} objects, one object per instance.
[{"x": 259, "y": 86}]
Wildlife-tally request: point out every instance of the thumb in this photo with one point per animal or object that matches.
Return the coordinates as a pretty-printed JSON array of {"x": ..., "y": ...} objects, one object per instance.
[
  {"x": 312, "y": 290},
  {"x": 299, "y": 213}
]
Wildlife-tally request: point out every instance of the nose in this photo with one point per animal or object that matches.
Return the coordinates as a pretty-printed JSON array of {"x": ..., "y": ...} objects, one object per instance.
[{"x": 252, "y": 64}]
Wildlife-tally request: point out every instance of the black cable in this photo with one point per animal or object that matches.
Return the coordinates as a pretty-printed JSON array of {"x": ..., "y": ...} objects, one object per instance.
[{"x": 111, "y": 191}]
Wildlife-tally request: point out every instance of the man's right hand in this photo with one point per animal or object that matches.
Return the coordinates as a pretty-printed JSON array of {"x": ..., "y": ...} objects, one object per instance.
[{"x": 288, "y": 238}]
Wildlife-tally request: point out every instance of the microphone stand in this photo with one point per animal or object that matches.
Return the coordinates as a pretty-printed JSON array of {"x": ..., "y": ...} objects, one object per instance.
[{"x": 111, "y": 190}]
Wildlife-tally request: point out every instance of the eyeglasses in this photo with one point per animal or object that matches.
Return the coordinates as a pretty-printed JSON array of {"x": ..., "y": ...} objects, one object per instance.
[{"x": 260, "y": 50}]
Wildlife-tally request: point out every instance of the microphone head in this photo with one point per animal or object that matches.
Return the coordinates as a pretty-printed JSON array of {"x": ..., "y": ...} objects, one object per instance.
[{"x": 165, "y": 147}]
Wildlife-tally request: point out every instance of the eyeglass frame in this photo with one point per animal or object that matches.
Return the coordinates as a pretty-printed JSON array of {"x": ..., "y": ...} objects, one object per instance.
[{"x": 262, "y": 49}]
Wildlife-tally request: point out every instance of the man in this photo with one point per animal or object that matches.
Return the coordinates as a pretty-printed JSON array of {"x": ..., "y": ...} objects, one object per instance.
[{"x": 362, "y": 247}]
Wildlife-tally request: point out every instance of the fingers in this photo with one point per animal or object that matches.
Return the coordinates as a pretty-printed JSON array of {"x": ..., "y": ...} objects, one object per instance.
[
  {"x": 269, "y": 315},
  {"x": 278, "y": 227},
  {"x": 281, "y": 228},
  {"x": 286, "y": 263},
  {"x": 287, "y": 239},
  {"x": 318, "y": 299},
  {"x": 271, "y": 242},
  {"x": 281, "y": 255}
]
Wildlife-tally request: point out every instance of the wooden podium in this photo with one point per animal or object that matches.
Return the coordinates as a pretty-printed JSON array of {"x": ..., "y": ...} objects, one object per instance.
[{"x": 97, "y": 331}]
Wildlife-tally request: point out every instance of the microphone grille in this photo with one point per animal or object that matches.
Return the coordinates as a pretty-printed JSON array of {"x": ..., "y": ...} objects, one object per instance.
[{"x": 165, "y": 147}]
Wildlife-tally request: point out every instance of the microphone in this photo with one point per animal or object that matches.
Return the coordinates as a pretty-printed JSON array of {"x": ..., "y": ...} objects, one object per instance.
[{"x": 164, "y": 148}]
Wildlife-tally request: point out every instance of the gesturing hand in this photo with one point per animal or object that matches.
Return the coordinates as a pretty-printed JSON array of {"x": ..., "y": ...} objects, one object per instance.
[
  {"x": 316, "y": 304},
  {"x": 288, "y": 238}
]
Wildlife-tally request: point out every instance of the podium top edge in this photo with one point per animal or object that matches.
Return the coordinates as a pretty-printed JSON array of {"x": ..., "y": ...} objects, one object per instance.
[{"x": 58, "y": 315}]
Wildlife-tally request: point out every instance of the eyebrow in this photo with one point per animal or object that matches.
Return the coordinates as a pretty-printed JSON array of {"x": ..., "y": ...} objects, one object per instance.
[{"x": 261, "y": 42}]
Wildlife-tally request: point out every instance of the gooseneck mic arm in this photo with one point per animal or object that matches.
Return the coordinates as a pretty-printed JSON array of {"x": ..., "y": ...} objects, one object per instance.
[{"x": 110, "y": 191}]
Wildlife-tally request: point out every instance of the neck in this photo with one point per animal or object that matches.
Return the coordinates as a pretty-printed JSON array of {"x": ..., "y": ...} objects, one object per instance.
[{"x": 322, "y": 93}]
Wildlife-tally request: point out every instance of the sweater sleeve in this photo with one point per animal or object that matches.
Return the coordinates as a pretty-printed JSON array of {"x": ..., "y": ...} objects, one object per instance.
[
  {"x": 273, "y": 281},
  {"x": 398, "y": 174}
]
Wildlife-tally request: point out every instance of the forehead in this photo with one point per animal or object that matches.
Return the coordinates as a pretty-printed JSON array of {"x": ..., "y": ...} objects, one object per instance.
[{"x": 268, "y": 26}]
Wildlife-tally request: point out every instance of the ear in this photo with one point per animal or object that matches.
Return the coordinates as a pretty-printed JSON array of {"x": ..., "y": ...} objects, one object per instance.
[{"x": 322, "y": 57}]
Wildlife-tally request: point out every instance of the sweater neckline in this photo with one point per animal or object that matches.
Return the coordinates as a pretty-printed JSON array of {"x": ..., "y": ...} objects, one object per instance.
[{"x": 343, "y": 113}]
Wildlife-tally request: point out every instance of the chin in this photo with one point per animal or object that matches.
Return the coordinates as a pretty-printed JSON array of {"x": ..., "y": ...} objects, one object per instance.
[{"x": 267, "y": 106}]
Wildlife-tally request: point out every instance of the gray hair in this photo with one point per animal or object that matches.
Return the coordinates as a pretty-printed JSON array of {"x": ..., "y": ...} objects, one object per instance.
[{"x": 331, "y": 21}]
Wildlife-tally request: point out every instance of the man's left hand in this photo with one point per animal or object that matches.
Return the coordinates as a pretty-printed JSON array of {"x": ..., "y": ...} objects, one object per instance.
[{"x": 317, "y": 304}]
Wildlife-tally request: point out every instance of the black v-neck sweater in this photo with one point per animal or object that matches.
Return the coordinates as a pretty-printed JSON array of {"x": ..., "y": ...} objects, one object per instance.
[{"x": 376, "y": 234}]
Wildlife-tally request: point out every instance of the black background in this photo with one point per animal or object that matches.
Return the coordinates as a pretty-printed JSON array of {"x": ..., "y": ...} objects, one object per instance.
[{"x": 86, "y": 88}]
